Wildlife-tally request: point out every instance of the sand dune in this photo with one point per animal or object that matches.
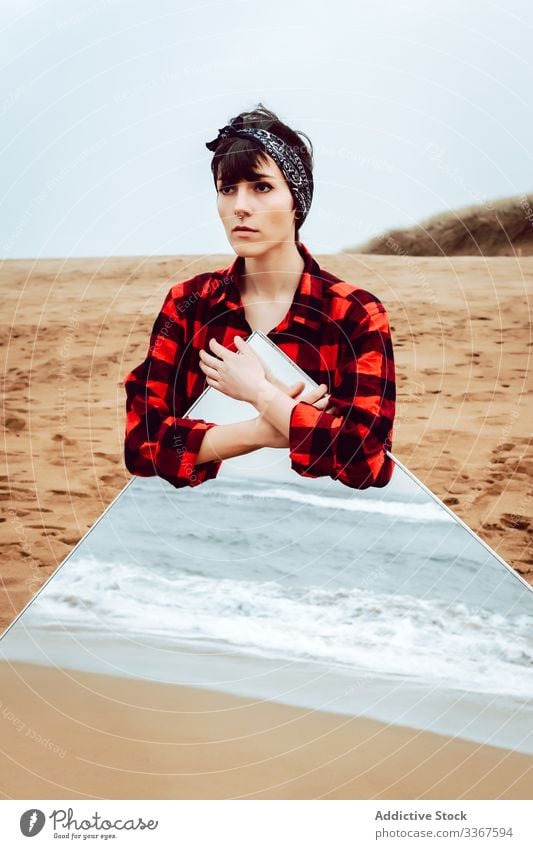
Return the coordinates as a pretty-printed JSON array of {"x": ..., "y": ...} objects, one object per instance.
[
  {"x": 502, "y": 227},
  {"x": 72, "y": 330}
]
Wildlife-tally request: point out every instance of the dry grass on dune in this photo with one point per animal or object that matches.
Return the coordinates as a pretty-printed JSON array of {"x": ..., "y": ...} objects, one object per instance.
[{"x": 497, "y": 228}]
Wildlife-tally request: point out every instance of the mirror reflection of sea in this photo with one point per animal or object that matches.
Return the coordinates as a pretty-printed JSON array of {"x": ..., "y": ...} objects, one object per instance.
[{"x": 387, "y": 586}]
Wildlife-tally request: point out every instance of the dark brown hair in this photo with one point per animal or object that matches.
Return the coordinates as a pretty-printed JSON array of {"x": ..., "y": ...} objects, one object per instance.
[{"x": 238, "y": 159}]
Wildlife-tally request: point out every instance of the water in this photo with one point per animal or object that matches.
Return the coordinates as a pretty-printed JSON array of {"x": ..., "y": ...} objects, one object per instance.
[{"x": 305, "y": 591}]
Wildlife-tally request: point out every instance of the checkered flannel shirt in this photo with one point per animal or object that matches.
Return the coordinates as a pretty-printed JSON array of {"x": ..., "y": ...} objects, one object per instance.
[{"x": 336, "y": 332}]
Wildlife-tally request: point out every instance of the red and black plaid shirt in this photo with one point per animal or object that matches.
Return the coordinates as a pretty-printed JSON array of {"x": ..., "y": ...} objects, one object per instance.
[{"x": 336, "y": 332}]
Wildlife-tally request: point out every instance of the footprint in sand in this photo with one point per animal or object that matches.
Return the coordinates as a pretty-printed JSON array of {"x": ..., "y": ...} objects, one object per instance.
[
  {"x": 15, "y": 423},
  {"x": 515, "y": 520},
  {"x": 69, "y": 540},
  {"x": 110, "y": 478},
  {"x": 60, "y": 437}
]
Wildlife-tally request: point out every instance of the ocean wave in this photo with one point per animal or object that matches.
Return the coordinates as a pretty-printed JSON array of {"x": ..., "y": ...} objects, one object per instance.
[
  {"x": 440, "y": 644},
  {"x": 406, "y": 511}
]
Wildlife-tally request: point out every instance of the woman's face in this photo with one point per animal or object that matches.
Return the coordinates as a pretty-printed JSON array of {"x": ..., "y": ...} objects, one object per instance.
[{"x": 266, "y": 206}]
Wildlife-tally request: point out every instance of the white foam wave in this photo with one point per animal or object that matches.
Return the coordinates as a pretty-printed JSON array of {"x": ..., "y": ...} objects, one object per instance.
[
  {"x": 377, "y": 634},
  {"x": 406, "y": 511}
]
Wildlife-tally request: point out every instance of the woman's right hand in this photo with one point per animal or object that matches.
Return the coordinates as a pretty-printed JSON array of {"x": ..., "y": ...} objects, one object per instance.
[
  {"x": 269, "y": 436},
  {"x": 316, "y": 397}
]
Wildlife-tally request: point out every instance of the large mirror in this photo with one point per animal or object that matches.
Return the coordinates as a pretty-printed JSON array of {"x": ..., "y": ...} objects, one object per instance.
[{"x": 372, "y": 624}]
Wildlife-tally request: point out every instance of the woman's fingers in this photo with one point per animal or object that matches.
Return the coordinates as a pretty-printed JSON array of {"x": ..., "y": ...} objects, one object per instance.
[
  {"x": 208, "y": 359},
  {"x": 212, "y": 368},
  {"x": 319, "y": 400},
  {"x": 275, "y": 381},
  {"x": 323, "y": 404},
  {"x": 296, "y": 388},
  {"x": 220, "y": 350},
  {"x": 317, "y": 396},
  {"x": 244, "y": 348},
  {"x": 314, "y": 394},
  {"x": 292, "y": 391},
  {"x": 210, "y": 372}
]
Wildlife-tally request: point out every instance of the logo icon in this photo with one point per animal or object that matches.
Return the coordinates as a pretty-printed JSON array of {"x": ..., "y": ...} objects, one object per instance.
[{"x": 31, "y": 822}]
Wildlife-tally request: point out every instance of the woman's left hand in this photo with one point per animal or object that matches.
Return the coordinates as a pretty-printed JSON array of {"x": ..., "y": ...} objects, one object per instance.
[{"x": 238, "y": 375}]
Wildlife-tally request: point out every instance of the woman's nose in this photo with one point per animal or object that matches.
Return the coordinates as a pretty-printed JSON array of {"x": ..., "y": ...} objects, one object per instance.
[{"x": 241, "y": 200}]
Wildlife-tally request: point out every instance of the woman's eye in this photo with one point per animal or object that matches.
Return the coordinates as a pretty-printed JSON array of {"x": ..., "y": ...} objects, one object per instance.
[{"x": 225, "y": 190}]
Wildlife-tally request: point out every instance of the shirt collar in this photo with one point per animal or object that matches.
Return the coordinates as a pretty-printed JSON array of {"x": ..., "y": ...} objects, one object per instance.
[{"x": 306, "y": 307}]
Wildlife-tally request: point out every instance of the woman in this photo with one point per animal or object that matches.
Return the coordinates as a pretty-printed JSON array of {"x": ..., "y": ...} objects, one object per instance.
[{"x": 335, "y": 331}]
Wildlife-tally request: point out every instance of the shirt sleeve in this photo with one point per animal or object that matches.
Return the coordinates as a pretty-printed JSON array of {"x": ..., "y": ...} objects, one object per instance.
[
  {"x": 351, "y": 445},
  {"x": 159, "y": 440}
]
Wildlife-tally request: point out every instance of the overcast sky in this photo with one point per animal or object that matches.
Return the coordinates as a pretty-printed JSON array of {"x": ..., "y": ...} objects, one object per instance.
[{"x": 105, "y": 107}]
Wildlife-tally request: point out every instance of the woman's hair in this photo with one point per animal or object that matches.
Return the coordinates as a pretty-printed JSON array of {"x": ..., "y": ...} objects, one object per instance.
[{"x": 238, "y": 159}]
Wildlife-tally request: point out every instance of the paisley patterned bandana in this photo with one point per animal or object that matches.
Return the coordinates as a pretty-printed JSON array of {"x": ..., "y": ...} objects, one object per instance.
[{"x": 285, "y": 156}]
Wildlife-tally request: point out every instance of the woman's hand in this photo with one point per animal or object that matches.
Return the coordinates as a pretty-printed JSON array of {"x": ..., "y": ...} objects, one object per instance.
[
  {"x": 316, "y": 397},
  {"x": 267, "y": 434},
  {"x": 238, "y": 375},
  {"x": 241, "y": 374}
]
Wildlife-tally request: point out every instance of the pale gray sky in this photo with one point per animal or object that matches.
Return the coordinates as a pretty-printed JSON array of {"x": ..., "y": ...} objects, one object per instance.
[{"x": 105, "y": 107}]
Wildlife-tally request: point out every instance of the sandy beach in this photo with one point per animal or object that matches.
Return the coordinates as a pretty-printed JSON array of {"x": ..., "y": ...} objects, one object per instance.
[
  {"x": 71, "y": 331},
  {"x": 83, "y": 735},
  {"x": 73, "y": 328}
]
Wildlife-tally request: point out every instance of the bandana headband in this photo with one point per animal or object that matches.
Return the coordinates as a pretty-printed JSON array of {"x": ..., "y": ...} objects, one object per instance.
[{"x": 284, "y": 156}]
